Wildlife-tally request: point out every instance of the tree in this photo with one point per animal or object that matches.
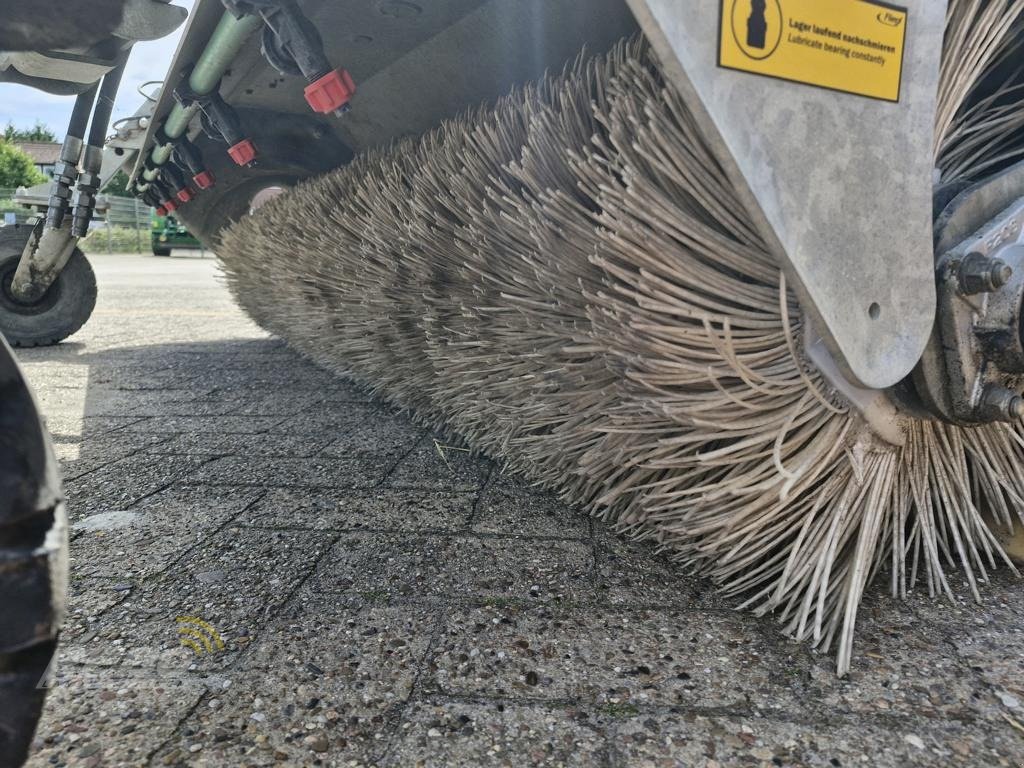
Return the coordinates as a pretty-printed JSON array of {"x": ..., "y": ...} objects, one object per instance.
[
  {"x": 16, "y": 168},
  {"x": 118, "y": 185},
  {"x": 37, "y": 132}
]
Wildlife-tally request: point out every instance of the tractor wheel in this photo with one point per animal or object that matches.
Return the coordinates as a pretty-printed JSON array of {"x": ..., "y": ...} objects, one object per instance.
[
  {"x": 33, "y": 561},
  {"x": 61, "y": 311}
]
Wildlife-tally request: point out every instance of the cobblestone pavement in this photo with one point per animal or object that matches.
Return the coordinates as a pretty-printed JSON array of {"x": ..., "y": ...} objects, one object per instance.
[{"x": 384, "y": 599}]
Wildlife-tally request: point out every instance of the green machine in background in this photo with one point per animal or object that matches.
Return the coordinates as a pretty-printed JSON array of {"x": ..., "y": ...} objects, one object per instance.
[{"x": 167, "y": 233}]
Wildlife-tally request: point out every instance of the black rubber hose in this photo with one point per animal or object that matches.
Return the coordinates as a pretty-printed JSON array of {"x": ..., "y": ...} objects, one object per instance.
[
  {"x": 82, "y": 110},
  {"x": 105, "y": 105}
]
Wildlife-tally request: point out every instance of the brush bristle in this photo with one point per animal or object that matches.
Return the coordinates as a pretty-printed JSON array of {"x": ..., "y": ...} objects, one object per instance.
[{"x": 568, "y": 281}]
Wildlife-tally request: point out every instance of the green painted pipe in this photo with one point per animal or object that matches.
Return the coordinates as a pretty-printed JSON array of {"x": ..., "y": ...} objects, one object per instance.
[{"x": 226, "y": 41}]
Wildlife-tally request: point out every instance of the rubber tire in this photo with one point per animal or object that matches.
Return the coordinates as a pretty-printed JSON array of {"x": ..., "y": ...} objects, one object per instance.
[
  {"x": 33, "y": 562},
  {"x": 64, "y": 308},
  {"x": 161, "y": 251}
]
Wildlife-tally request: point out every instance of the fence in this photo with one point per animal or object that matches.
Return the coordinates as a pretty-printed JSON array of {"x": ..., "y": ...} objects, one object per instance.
[{"x": 123, "y": 228}]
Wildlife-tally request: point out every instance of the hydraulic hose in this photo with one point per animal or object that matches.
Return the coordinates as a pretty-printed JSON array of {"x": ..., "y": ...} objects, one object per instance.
[
  {"x": 65, "y": 171},
  {"x": 92, "y": 158},
  {"x": 226, "y": 41},
  {"x": 105, "y": 105},
  {"x": 81, "y": 111}
]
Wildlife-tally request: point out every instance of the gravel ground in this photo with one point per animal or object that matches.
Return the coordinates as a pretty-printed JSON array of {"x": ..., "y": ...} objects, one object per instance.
[{"x": 385, "y": 599}]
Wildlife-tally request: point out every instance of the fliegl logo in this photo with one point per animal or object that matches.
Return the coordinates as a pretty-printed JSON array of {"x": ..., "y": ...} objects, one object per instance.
[
  {"x": 890, "y": 19},
  {"x": 757, "y": 27},
  {"x": 198, "y": 635}
]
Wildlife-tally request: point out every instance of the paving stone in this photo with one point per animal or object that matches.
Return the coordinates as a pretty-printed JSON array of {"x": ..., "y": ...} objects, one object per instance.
[
  {"x": 364, "y": 471},
  {"x": 633, "y": 574},
  {"x": 163, "y": 526},
  {"x": 900, "y": 666},
  {"x": 379, "y": 428},
  {"x": 351, "y": 654},
  {"x": 66, "y": 427},
  {"x": 325, "y": 682},
  {"x": 139, "y": 379},
  {"x": 112, "y": 718},
  {"x": 513, "y": 511},
  {"x": 245, "y": 425},
  {"x": 695, "y": 740},
  {"x": 79, "y": 457},
  {"x": 612, "y": 657},
  {"x": 87, "y": 599},
  {"x": 495, "y": 734},
  {"x": 985, "y": 637},
  {"x": 503, "y": 480},
  {"x": 377, "y": 509},
  {"x": 381, "y": 565},
  {"x": 508, "y": 568},
  {"x": 436, "y": 465},
  {"x": 213, "y": 444},
  {"x": 120, "y": 484},
  {"x": 222, "y": 404},
  {"x": 101, "y": 401},
  {"x": 378, "y": 431},
  {"x": 234, "y": 581}
]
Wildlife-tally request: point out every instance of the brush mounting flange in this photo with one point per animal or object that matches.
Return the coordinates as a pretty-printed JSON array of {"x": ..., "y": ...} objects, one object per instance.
[{"x": 972, "y": 371}]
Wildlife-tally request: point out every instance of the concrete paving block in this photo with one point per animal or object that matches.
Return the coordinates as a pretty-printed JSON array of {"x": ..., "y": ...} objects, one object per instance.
[
  {"x": 433, "y": 611},
  {"x": 364, "y": 471},
  {"x": 111, "y": 718},
  {"x": 510, "y": 568},
  {"x": 900, "y": 666},
  {"x": 234, "y": 581},
  {"x": 273, "y": 723},
  {"x": 616, "y": 658},
  {"x": 382, "y": 565},
  {"x": 351, "y": 654},
  {"x": 492, "y": 733},
  {"x": 530, "y": 514},
  {"x": 716, "y": 742},
  {"x": 380, "y": 509},
  {"x": 78, "y": 457},
  {"x": 213, "y": 444},
  {"x": 380, "y": 433},
  {"x": 436, "y": 465},
  {"x": 120, "y": 484},
  {"x": 634, "y": 574},
  {"x": 245, "y": 425},
  {"x": 88, "y": 598},
  {"x": 162, "y": 526}
]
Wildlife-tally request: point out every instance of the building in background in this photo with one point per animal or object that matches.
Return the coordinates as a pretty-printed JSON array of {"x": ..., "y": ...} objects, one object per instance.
[{"x": 44, "y": 154}]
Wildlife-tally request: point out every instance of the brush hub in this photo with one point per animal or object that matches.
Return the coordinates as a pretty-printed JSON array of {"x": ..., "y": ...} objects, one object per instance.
[{"x": 972, "y": 371}]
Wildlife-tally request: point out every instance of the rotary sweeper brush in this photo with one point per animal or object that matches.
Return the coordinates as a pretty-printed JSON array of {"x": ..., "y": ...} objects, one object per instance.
[{"x": 704, "y": 305}]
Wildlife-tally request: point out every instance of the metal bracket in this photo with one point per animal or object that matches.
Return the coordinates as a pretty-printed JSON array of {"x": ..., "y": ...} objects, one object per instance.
[
  {"x": 44, "y": 257},
  {"x": 839, "y": 186},
  {"x": 973, "y": 368}
]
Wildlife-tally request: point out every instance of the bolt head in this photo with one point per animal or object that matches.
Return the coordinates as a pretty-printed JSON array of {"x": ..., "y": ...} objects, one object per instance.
[
  {"x": 1001, "y": 273},
  {"x": 1016, "y": 408},
  {"x": 980, "y": 274}
]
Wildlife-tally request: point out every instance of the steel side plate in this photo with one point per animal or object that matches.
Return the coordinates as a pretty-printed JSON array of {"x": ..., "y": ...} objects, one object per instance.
[{"x": 839, "y": 183}]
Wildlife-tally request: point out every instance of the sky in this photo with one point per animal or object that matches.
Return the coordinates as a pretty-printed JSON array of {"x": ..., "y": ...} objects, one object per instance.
[{"x": 22, "y": 105}]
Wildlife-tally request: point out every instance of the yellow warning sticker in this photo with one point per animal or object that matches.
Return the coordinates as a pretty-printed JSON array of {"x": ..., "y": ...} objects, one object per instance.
[{"x": 854, "y": 46}]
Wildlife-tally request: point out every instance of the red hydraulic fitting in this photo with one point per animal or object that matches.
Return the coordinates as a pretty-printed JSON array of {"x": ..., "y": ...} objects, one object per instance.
[
  {"x": 161, "y": 211},
  {"x": 204, "y": 180},
  {"x": 170, "y": 206},
  {"x": 331, "y": 92},
  {"x": 243, "y": 153},
  {"x": 185, "y": 195}
]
